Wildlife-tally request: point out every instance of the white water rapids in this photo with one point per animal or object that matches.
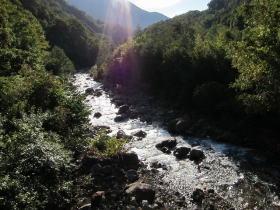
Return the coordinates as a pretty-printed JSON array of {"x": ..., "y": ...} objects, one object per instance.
[{"x": 223, "y": 169}]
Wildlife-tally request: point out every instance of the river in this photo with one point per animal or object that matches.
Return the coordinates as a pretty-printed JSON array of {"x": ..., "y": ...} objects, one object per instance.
[{"x": 244, "y": 180}]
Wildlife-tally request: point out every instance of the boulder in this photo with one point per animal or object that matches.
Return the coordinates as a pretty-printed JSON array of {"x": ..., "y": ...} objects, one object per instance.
[
  {"x": 127, "y": 160},
  {"x": 123, "y": 109},
  {"x": 198, "y": 196},
  {"x": 181, "y": 153},
  {"x": 121, "y": 134},
  {"x": 89, "y": 91},
  {"x": 140, "y": 134},
  {"x": 179, "y": 126},
  {"x": 165, "y": 150},
  {"x": 120, "y": 118},
  {"x": 97, "y": 115},
  {"x": 132, "y": 175},
  {"x": 196, "y": 155},
  {"x": 170, "y": 144},
  {"x": 141, "y": 191},
  {"x": 183, "y": 125},
  {"x": 97, "y": 198}
]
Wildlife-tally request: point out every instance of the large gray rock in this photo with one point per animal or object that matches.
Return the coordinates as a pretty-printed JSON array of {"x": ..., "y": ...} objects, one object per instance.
[
  {"x": 141, "y": 191},
  {"x": 182, "y": 152}
]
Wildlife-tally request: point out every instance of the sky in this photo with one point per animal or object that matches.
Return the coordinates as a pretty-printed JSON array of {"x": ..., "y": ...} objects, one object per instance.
[{"x": 171, "y": 8}]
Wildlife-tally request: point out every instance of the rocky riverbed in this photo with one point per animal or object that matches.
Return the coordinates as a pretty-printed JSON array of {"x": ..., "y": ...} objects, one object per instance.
[{"x": 177, "y": 170}]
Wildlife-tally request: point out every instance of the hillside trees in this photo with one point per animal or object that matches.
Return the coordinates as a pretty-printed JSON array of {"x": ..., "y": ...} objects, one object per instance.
[
  {"x": 257, "y": 57},
  {"x": 41, "y": 120}
]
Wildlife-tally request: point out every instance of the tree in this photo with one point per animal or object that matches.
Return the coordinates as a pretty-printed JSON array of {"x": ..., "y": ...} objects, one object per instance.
[{"x": 58, "y": 63}]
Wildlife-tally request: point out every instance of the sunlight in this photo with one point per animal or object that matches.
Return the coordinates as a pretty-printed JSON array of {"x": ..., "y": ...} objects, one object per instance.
[{"x": 119, "y": 12}]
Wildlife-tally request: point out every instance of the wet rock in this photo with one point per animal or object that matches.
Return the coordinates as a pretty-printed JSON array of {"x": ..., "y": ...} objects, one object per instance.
[
  {"x": 97, "y": 93},
  {"x": 198, "y": 196},
  {"x": 89, "y": 91},
  {"x": 123, "y": 109},
  {"x": 183, "y": 125},
  {"x": 210, "y": 191},
  {"x": 157, "y": 165},
  {"x": 140, "y": 134},
  {"x": 106, "y": 129},
  {"x": 120, "y": 118},
  {"x": 127, "y": 160},
  {"x": 179, "y": 126},
  {"x": 97, "y": 115},
  {"x": 132, "y": 175},
  {"x": 195, "y": 144},
  {"x": 181, "y": 153},
  {"x": 196, "y": 155},
  {"x": 166, "y": 146},
  {"x": 97, "y": 198},
  {"x": 122, "y": 135},
  {"x": 141, "y": 191}
]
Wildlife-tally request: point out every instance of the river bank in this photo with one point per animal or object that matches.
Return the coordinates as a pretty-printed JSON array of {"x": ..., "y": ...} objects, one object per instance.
[{"x": 226, "y": 170}]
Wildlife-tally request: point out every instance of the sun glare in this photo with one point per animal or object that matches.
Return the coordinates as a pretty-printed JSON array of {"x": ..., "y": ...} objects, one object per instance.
[{"x": 119, "y": 12}]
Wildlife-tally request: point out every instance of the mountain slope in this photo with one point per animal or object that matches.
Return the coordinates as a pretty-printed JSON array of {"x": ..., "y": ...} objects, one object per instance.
[{"x": 111, "y": 11}]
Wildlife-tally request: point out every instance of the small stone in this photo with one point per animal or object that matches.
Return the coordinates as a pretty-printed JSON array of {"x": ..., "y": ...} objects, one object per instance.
[
  {"x": 140, "y": 134},
  {"x": 97, "y": 115}
]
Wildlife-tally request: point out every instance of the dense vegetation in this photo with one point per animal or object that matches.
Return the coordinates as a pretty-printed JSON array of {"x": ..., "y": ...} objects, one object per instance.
[
  {"x": 223, "y": 62},
  {"x": 42, "y": 119}
]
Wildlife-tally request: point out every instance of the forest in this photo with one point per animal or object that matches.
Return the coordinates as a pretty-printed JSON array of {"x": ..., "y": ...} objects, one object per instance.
[{"x": 222, "y": 63}]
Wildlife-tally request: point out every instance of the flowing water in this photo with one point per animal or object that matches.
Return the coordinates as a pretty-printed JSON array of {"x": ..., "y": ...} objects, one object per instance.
[{"x": 244, "y": 180}]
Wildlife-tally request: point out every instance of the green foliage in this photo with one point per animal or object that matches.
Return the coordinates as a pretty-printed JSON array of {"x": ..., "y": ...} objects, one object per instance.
[
  {"x": 34, "y": 165},
  {"x": 42, "y": 119},
  {"x": 58, "y": 63},
  {"x": 22, "y": 40},
  {"x": 106, "y": 145},
  {"x": 69, "y": 29},
  {"x": 257, "y": 57}
]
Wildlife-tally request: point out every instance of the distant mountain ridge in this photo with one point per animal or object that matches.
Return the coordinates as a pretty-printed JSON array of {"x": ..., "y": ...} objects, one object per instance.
[{"x": 112, "y": 11}]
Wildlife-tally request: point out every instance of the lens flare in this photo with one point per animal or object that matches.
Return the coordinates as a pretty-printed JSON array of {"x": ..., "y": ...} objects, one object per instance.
[{"x": 118, "y": 12}]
